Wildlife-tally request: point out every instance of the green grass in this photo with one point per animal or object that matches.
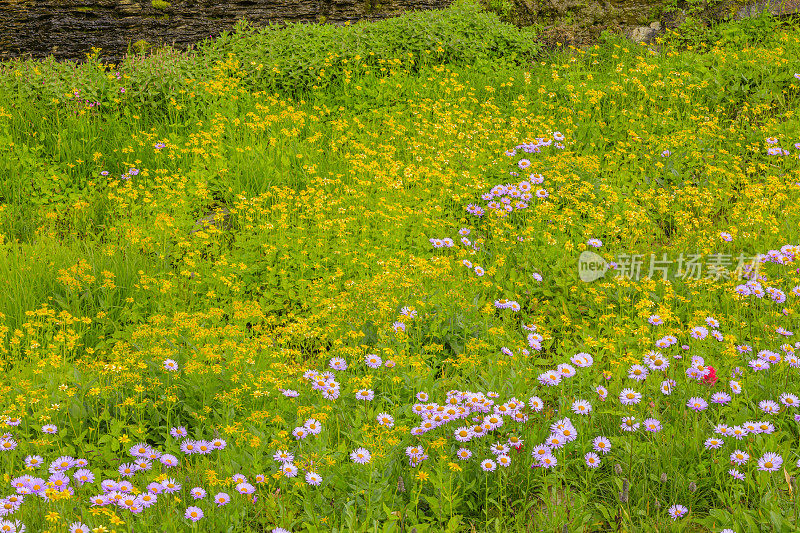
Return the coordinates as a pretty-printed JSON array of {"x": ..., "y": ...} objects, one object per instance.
[{"x": 336, "y": 160}]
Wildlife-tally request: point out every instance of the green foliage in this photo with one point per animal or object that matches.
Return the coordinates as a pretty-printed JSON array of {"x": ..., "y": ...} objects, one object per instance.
[
  {"x": 327, "y": 191},
  {"x": 291, "y": 58},
  {"x": 696, "y": 31},
  {"x": 140, "y": 47},
  {"x": 733, "y": 82},
  {"x": 502, "y": 8}
]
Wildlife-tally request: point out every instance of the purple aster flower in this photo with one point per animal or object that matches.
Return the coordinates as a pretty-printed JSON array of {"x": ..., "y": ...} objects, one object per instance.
[
  {"x": 548, "y": 461},
  {"x": 33, "y": 461},
  {"x": 361, "y": 456},
  {"x": 736, "y": 474},
  {"x": 629, "y": 397},
  {"x": 59, "y": 481},
  {"x": 550, "y": 378},
  {"x": 629, "y": 423},
  {"x": 770, "y": 462},
  {"x": 312, "y": 478},
  {"x": 638, "y": 372},
  {"x": 463, "y": 454},
  {"x": 168, "y": 460},
  {"x": 365, "y": 394},
  {"x": 83, "y": 475},
  {"x": 581, "y": 407},
  {"x": 737, "y": 432},
  {"x": 697, "y": 404},
  {"x": 127, "y": 469},
  {"x": 602, "y": 392},
  {"x": 769, "y": 407},
  {"x": 667, "y": 386},
  {"x": 652, "y": 425},
  {"x": 170, "y": 486},
  {"x": 373, "y": 361},
  {"x": 247, "y": 488},
  {"x": 592, "y": 460},
  {"x": 677, "y": 511},
  {"x": 721, "y": 397},
  {"x": 739, "y": 457},
  {"x": 487, "y": 465},
  {"x": 194, "y": 513},
  {"x": 789, "y": 400}
]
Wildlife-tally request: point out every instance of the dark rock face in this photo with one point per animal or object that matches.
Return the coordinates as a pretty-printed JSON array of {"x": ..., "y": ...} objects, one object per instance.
[
  {"x": 580, "y": 22},
  {"x": 68, "y": 29},
  {"x": 592, "y": 12}
]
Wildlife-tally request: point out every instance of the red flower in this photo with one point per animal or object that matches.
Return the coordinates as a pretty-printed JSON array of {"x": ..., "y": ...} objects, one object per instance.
[{"x": 711, "y": 377}]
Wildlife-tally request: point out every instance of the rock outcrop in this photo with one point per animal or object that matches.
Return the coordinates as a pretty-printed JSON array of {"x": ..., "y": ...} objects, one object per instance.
[{"x": 581, "y": 21}]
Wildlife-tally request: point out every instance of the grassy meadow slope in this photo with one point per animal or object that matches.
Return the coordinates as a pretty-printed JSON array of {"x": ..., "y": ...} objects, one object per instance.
[{"x": 327, "y": 278}]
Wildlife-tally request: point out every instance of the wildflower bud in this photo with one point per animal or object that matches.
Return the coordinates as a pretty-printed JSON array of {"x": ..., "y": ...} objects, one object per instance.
[
  {"x": 401, "y": 487},
  {"x": 664, "y": 477},
  {"x": 565, "y": 529},
  {"x": 657, "y": 505},
  {"x": 692, "y": 486},
  {"x": 623, "y": 496},
  {"x": 618, "y": 469}
]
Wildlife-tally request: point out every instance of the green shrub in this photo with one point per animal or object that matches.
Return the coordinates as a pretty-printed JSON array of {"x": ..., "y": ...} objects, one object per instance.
[
  {"x": 286, "y": 59},
  {"x": 290, "y": 58},
  {"x": 503, "y": 8},
  {"x": 696, "y": 31}
]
